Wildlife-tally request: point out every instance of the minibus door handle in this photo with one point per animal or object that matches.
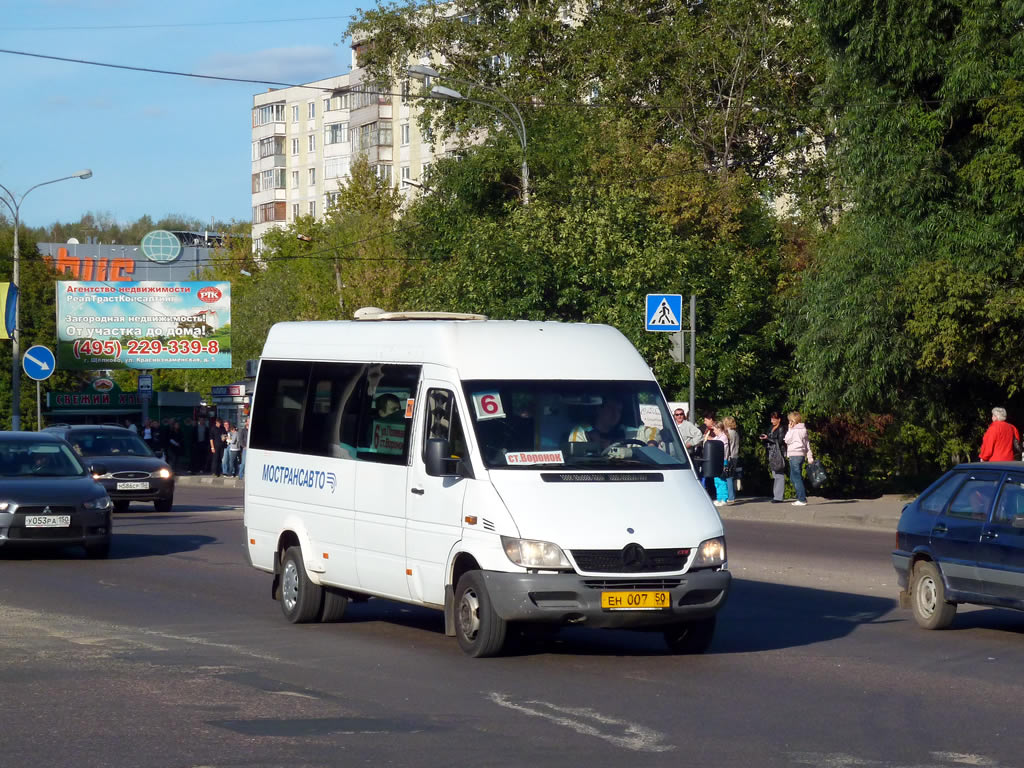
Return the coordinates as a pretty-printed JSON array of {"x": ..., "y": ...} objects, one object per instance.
[{"x": 417, "y": 491}]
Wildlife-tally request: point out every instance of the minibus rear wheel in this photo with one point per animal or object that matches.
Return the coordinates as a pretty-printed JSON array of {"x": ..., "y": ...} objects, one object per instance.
[
  {"x": 300, "y": 598},
  {"x": 691, "y": 637},
  {"x": 479, "y": 630}
]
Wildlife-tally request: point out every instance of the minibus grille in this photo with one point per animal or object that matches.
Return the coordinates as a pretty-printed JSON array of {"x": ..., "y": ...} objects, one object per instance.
[
  {"x": 631, "y": 559},
  {"x": 634, "y": 584}
]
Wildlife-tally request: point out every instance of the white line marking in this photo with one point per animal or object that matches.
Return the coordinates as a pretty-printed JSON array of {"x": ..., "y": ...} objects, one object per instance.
[{"x": 633, "y": 736}]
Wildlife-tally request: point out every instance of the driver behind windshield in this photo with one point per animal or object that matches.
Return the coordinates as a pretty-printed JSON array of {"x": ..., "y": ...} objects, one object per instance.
[{"x": 606, "y": 429}]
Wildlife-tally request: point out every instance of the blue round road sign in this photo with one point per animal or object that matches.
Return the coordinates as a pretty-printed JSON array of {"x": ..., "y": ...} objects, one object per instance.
[{"x": 39, "y": 363}]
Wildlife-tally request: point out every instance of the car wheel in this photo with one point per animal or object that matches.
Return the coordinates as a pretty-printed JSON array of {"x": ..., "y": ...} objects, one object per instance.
[
  {"x": 164, "y": 505},
  {"x": 300, "y": 598},
  {"x": 691, "y": 637},
  {"x": 928, "y": 597},
  {"x": 121, "y": 505},
  {"x": 99, "y": 550},
  {"x": 479, "y": 630},
  {"x": 333, "y": 607}
]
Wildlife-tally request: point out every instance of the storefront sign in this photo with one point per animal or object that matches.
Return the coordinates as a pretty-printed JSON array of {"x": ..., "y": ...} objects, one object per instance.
[{"x": 143, "y": 325}]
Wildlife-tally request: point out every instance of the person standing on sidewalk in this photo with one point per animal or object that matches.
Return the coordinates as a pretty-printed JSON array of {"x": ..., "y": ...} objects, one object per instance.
[
  {"x": 243, "y": 442},
  {"x": 798, "y": 449},
  {"x": 216, "y": 440},
  {"x": 1001, "y": 441},
  {"x": 732, "y": 457},
  {"x": 775, "y": 444},
  {"x": 234, "y": 451}
]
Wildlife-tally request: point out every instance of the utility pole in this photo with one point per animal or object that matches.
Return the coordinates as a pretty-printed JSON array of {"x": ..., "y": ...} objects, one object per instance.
[{"x": 693, "y": 355}]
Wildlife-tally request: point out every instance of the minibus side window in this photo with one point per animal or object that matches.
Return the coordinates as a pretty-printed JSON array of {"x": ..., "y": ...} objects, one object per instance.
[
  {"x": 326, "y": 432},
  {"x": 279, "y": 406},
  {"x": 443, "y": 421},
  {"x": 384, "y": 432}
]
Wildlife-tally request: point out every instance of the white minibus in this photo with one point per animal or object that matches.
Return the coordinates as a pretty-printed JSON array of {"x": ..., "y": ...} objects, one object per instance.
[{"x": 505, "y": 472}]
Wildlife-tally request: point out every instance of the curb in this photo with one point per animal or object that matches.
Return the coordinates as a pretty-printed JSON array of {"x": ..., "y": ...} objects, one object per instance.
[
  {"x": 207, "y": 481},
  {"x": 862, "y": 514}
]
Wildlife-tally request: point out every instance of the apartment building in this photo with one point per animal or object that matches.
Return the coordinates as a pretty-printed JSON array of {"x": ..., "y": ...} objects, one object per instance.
[{"x": 305, "y": 138}]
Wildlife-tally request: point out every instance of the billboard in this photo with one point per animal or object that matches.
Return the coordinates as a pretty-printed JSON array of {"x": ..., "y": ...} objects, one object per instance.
[
  {"x": 143, "y": 325},
  {"x": 8, "y": 306}
]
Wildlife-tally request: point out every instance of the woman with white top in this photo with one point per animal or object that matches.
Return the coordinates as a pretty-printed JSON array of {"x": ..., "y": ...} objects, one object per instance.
[{"x": 798, "y": 449}]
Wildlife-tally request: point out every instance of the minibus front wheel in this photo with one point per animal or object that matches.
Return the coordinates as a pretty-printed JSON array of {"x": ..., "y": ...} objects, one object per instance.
[
  {"x": 300, "y": 598},
  {"x": 479, "y": 630}
]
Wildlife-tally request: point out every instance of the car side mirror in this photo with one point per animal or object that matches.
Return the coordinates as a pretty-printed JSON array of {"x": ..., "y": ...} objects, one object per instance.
[
  {"x": 98, "y": 469},
  {"x": 439, "y": 462}
]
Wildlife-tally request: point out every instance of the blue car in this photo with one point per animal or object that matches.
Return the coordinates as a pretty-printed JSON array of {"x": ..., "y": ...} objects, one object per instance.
[{"x": 962, "y": 541}]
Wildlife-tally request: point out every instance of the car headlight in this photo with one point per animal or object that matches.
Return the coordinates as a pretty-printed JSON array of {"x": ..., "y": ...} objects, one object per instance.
[
  {"x": 7, "y": 506},
  {"x": 164, "y": 473},
  {"x": 534, "y": 554},
  {"x": 103, "y": 502},
  {"x": 710, "y": 553}
]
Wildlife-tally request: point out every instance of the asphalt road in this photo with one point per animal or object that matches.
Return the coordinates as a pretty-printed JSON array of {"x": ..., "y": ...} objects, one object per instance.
[{"x": 172, "y": 654}]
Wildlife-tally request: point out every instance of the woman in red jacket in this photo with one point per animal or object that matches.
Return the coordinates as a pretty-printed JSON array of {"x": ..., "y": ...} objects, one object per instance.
[{"x": 1000, "y": 438}]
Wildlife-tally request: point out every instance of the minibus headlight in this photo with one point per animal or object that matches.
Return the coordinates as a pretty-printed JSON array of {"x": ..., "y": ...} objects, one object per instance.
[
  {"x": 709, "y": 553},
  {"x": 534, "y": 554}
]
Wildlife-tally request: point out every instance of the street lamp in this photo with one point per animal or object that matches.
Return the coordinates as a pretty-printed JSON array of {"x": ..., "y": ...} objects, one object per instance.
[
  {"x": 420, "y": 71},
  {"x": 13, "y": 204}
]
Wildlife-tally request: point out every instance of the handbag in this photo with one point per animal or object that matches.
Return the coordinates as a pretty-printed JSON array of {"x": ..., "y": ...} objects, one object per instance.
[
  {"x": 776, "y": 461},
  {"x": 816, "y": 475}
]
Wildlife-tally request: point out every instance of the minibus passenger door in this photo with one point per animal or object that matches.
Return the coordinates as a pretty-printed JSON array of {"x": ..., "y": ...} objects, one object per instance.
[{"x": 434, "y": 505}]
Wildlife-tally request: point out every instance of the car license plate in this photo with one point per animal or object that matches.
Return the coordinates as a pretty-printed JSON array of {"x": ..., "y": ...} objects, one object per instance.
[
  {"x": 47, "y": 521},
  {"x": 635, "y": 601},
  {"x": 133, "y": 486}
]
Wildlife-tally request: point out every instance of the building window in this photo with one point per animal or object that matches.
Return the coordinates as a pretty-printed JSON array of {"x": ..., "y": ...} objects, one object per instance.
[
  {"x": 272, "y": 145},
  {"x": 383, "y": 172},
  {"x": 268, "y": 212},
  {"x": 425, "y": 170},
  {"x": 312, "y": 207},
  {"x": 312, "y": 110},
  {"x": 406, "y": 172},
  {"x": 272, "y": 179},
  {"x": 295, "y": 179},
  {"x": 335, "y": 133},
  {"x": 331, "y": 200},
  {"x": 335, "y": 167},
  {"x": 312, "y": 176},
  {"x": 375, "y": 135},
  {"x": 295, "y": 113},
  {"x": 405, "y": 133},
  {"x": 405, "y": 91},
  {"x": 327, "y": 104},
  {"x": 269, "y": 113},
  {"x": 311, "y": 140},
  {"x": 295, "y": 147},
  {"x": 295, "y": 211}
]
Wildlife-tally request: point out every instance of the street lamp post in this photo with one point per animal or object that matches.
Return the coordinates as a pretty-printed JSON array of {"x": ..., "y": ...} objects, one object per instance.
[
  {"x": 13, "y": 203},
  {"x": 517, "y": 124}
]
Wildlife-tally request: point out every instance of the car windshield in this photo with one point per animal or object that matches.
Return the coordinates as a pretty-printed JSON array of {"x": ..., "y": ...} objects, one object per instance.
[
  {"x": 23, "y": 459},
  {"x": 106, "y": 443},
  {"x": 581, "y": 424}
]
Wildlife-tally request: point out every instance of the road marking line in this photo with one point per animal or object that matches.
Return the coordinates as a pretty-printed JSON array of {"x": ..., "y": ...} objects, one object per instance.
[{"x": 636, "y": 737}]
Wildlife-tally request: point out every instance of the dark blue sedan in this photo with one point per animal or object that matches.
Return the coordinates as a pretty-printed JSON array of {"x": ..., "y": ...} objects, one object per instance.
[{"x": 962, "y": 541}]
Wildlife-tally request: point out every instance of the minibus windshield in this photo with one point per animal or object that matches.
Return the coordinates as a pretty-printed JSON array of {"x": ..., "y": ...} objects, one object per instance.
[{"x": 579, "y": 424}]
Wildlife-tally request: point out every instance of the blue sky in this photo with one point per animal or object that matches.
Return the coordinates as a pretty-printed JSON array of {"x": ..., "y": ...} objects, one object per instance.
[{"x": 156, "y": 144}]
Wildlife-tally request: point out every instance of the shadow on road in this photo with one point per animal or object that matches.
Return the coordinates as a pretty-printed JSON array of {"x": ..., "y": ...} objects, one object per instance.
[
  {"x": 759, "y": 616},
  {"x": 125, "y": 546}
]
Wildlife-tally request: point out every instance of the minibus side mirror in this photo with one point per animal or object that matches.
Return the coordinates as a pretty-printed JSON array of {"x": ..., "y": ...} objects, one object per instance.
[{"x": 439, "y": 461}]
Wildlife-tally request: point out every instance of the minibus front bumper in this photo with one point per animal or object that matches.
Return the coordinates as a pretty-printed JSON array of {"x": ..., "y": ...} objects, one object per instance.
[{"x": 573, "y": 599}]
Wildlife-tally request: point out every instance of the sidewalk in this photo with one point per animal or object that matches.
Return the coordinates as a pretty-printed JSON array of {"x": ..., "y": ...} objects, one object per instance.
[{"x": 881, "y": 514}]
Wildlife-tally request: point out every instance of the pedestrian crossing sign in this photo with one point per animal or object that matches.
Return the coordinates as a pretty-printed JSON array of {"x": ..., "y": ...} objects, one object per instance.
[{"x": 664, "y": 312}]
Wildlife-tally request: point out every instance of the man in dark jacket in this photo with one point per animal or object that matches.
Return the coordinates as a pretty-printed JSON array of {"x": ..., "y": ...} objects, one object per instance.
[{"x": 216, "y": 447}]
